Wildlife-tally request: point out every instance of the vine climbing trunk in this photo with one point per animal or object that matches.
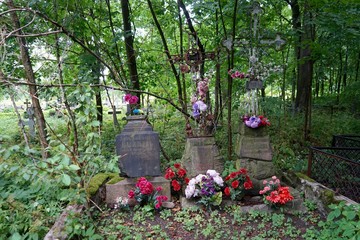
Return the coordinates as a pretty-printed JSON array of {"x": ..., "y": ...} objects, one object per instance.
[{"x": 30, "y": 77}]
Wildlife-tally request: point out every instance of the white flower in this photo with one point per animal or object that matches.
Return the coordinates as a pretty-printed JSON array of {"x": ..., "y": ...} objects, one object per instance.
[
  {"x": 218, "y": 180},
  {"x": 189, "y": 191},
  {"x": 192, "y": 182},
  {"x": 199, "y": 178},
  {"x": 212, "y": 173}
]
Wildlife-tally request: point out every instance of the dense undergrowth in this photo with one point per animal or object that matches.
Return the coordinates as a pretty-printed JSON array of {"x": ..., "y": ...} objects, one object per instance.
[{"x": 33, "y": 191}]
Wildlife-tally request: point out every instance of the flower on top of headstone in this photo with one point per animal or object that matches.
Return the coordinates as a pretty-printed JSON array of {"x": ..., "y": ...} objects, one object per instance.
[
  {"x": 255, "y": 121},
  {"x": 237, "y": 74},
  {"x": 132, "y": 100}
]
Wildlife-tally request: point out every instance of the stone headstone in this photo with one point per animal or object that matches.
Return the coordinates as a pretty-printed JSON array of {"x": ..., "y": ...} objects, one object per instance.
[
  {"x": 200, "y": 155},
  {"x": 254, "y": 152},
  {"x": 138, "y": 148}
]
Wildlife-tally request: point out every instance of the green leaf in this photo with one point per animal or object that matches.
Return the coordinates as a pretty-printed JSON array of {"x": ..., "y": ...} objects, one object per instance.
[
  {"x": 66, "y": 179},
  {"x": 16, "y": 236},
  {"x": 74, "y": 167}
]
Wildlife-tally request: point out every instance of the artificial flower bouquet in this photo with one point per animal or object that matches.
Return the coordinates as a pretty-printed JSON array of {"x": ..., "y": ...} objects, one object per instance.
[
  {"x": 236, "y": 182},
  {"x": 274, "y": 194},
  {"x": 206, "y": 189},
  {"x": 132, "y": 100},
  {"x": 177, "y": 175},
  {"x": 255, "y": 121},
  {"x": 146, "y": 195}
]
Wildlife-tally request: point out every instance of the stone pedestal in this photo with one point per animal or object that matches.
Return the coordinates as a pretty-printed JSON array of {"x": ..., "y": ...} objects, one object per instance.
[
  {"x": 200, "y": 155},
  {"x": 122, "y": 188},
  {"x": 138, "y": 148},
  {"x": 254, "y": 153}
]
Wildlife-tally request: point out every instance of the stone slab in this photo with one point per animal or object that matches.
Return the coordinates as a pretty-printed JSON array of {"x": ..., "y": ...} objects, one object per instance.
[
  {"x": 138, "y": 148},
  {"x": 254, "y": 147},
  {"x": 200, "y": 155},
  {"x": 257, "y": 169},
  {"x": 122, "y": 188}
]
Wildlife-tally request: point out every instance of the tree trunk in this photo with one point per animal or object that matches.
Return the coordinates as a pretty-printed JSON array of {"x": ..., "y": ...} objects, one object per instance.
[
  {"x": 30, "y": 76},
  {"x": 167, "y": 52},
  {"x": 129, "y": 44}
]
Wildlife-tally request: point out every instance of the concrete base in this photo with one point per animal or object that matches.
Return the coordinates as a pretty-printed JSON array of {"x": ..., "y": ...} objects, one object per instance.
[{"x": 122, "y": 188}]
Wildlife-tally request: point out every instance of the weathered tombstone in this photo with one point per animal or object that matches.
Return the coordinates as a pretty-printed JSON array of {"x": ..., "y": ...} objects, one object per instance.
[
  {"x": 138, "y": 148},
  {"x": 254, "y": 152},
  {"x": 200, "y": 155}
]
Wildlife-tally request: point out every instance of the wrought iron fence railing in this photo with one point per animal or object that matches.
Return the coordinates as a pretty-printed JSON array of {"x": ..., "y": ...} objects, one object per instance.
[{"x": 337, "y": 168}]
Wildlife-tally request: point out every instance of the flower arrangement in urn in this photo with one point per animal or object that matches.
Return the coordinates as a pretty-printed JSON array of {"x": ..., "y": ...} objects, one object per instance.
[
  {"x": 206, "y": 189},
  {"x": 177, "y": 175},
  {"x": 274, "y": 194},
  {"x": 146, "y": 195},
  {"x": 236, "y": 182}
]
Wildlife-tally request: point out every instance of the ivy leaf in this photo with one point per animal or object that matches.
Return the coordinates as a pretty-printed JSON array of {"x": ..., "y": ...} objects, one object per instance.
[{"x": 66, "y": 179}]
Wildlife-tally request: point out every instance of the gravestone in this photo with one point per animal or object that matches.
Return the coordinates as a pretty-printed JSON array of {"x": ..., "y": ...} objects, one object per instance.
[
  {"x": 138, "y": 148},
  {"x": 254, "y": 153},
  {"x": 200, "y": 155}
]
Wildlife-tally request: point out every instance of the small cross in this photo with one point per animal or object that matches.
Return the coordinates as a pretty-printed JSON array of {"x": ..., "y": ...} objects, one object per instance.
[{"x": 27, "y": 103}]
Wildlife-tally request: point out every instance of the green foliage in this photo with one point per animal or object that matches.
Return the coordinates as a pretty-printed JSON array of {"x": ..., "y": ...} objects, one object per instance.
[{"x": 343, "y": 222}]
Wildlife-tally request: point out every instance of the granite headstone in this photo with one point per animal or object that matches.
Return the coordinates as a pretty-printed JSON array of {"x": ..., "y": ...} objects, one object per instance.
[{"x": 138, "y": 148}]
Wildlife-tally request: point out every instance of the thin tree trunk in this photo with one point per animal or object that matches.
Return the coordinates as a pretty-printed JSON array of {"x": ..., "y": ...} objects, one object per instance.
[
  {"x": 129, "y": 45},
  {"x": 345, "y": 67},
  {"x": 357, "y": 68},
  {"x": 230, "y": 83},
  {"x": 30, "y": 76},
  {"x": 167, "y": 52}
]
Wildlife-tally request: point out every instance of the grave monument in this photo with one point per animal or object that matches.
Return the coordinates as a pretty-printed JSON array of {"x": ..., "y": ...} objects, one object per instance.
[
  {"x": 253, "y": 148},
  {"x": 138, "y": 150}
]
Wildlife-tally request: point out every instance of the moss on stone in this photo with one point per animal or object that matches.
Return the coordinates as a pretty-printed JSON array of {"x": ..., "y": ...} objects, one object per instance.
[
  {"x": 328, "y": 197},
  {"x": 304, "y": 176},
  {"x": 99, "y": 179},
  {"x": 114, "y": 178}
]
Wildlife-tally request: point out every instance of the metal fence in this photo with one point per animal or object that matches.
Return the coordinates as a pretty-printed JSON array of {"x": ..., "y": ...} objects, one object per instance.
[
  {"x": 346, "y": 141},
  {"x": 337, "y": 168}
]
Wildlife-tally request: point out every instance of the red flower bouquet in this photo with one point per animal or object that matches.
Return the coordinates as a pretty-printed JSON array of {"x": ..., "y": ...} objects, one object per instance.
[
  {"x": 146, "y": 194},
  {"x": 274, "y": 194},
  {"x": 177, "y": 175},
  {"x": 236, "y": 183}
]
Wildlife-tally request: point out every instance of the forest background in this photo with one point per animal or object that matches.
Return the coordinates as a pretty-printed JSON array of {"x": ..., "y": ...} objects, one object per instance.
[{"x": 80, "y": 57}]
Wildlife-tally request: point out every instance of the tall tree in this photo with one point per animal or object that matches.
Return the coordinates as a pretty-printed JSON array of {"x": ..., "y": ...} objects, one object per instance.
[
  {"x": 129, "y": 45},
  {"x": 30, "y": 77}
]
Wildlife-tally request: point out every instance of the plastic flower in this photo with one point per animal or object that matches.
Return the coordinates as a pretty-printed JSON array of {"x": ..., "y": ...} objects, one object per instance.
[
  {"x": 205, "y": 188},
  {"x": 274, "y": 194},
  {"x": 236, "y": 182},
  {"x": 146, "y": 194},
  {"x": 255, "y": 121},
  {"x": 177, "y": 175}
]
